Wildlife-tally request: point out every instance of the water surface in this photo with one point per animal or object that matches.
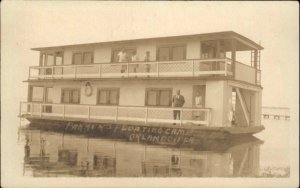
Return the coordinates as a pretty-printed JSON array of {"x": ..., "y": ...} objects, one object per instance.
[{"x": 48, "y": 154}]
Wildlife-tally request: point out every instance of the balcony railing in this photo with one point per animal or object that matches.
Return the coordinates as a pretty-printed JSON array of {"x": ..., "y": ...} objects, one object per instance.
[
  {"x": 143, "y": 115},
  {"x": 182, "y": 68}
]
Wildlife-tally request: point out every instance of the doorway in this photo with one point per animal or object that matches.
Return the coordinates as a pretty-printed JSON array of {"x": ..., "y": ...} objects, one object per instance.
[{"x": 199, "y": 96}]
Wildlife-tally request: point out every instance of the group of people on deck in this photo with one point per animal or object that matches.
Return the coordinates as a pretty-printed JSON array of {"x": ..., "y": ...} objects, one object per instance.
[{"x": 123, "y": 57}]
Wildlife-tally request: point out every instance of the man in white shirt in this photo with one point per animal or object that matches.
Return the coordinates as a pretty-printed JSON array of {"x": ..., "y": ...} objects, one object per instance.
[
  {"x": 134, "y": 58},
  {"x": 147, "y": 59},
  {"x": 122, "y": 58}
]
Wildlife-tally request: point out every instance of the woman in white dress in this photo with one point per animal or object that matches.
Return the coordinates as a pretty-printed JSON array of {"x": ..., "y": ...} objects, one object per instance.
[{"x": 199, "y": 104}]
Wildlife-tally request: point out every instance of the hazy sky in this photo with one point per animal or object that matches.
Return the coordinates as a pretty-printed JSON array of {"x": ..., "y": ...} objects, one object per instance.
[{"x": 34, "y": 24}]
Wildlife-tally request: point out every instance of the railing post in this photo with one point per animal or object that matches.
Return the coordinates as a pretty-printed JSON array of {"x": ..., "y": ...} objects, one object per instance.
[
  {"x": 181, "y": 114},
  {"x": 52, "y": 72},
  {"x": 31, "y": 109},
  {"x": 225, "y": 61},
  {"x": 117, "y": 111},
  {"x": 157, "y": 68},
  {"x": 29, "y": 72},
  {"x": 20, "y": 110},
  {"x": 41, "y": 109},
  {"x": 207, "y": 117},
  {"x": 127, "y": 70},
  {"x": 64, "y": 114},
  {"x": 75, "y": 71},
  {"x": 193, "y": 64},
  {"x": 146, "y": 116},
  {"x": 100, "y": 70},
  {"x": 89, "y": 110}
]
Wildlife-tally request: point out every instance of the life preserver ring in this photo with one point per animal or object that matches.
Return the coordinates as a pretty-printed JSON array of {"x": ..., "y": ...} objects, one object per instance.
[{"x": 88, "y": 89}]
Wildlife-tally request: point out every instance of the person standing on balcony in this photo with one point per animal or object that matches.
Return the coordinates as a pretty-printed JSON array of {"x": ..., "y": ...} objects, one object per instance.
[
  {"x": 122, "y": 58},
  {"x": 134, "y": 58},
  {"x": 198, "y": 104},
  {"x": 147, "y": 59},
  {"x": 178, "y": 102}
]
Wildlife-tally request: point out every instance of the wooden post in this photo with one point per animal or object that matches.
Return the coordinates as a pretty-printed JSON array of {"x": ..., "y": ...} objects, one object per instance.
[
  {"x": 117, "y": 111},
  {"x": 225, "y": 61},
  {"x": 41, "y": 109},
  {"x": 64, "y": 111},
  {"x": 31, "y": 109},
  {"x": 146, "y": 116},
  {"x": 127, "y": 69},
  {"x": 20, "y": 110},
  {"x": 75, "y": 71},
  {"x": 255, "y": 66},
  {"x": 207, "y": 117},
  {"x": 89, "y": 112},
  {"x": 244, "y": 107},
  {"x": 233, "y": 56},
  {"x": 181, "y": 114},
  {"x": 29, "y": 72},
  {"x": 52, "y": 72},
  {"x": 157, "y": 68},
  {"x": 193, "y": 64},
  {"x": 100, "y": 70}
]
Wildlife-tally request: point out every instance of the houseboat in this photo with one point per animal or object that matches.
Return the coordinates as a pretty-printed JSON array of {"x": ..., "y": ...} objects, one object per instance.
[{"x": 131, "y": 88}]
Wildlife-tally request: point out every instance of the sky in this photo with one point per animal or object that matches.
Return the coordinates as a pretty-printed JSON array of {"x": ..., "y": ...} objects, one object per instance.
[{"x": 29, "y": 24}]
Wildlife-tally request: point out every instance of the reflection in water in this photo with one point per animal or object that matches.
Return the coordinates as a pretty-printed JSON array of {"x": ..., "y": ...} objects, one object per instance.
[{"x": 56, "y": 154}]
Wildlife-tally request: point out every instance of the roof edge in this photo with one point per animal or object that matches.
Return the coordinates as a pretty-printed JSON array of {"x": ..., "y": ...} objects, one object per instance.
[{"x": 228, "y": 33}]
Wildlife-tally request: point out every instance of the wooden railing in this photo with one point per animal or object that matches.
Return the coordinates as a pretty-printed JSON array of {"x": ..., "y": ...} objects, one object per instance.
[
  {"x": 182, "y": 68},
  {"x": 144, "y": 115}
]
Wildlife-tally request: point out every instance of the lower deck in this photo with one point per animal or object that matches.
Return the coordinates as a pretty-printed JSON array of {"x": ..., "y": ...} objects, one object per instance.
[
  {"x": 212, "y": 103},
  {"x": 133, "y": 130}
]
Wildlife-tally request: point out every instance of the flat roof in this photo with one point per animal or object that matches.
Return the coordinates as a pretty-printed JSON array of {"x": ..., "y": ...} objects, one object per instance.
[{"x": 226, "y": 34}]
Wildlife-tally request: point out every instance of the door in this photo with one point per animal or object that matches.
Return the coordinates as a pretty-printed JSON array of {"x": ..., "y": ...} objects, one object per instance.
[
  {"x": 199, "y": 102},
  {"x": 199, "y": 92}
]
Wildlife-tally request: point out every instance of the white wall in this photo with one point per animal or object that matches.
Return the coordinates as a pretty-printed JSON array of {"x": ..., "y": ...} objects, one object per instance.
[
  {"x": 193, "y": 49},
  {"x": 102, "y": 55},
  {"x": 132, "y": 93},
  {"x": 214, "y": 99}
]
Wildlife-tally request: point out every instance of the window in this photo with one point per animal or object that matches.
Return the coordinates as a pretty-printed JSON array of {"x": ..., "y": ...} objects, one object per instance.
[
  {"x": 51, "y": 58},
  {"x": 158, "y": 97},
  {"x": 49, "y": 95},
  {"x": 70, "y": 96},
  {"x": 58, "y": 58},
  {"x": 107, "y": 96},
  {"x": 36, "y": 94},
  {"x": 83, "y": 58},
  {"x": 175, "y": 52},
  {"x": 129, "y": 52}
]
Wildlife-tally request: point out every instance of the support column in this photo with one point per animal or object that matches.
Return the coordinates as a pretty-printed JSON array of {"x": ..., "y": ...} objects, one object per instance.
[
  {"x": 233, "y": 56},
  {"x": 255, "y": 65}
]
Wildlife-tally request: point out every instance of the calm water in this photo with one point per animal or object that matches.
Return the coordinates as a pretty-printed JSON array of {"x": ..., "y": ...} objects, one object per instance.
[{"x": 49, "y": 154}]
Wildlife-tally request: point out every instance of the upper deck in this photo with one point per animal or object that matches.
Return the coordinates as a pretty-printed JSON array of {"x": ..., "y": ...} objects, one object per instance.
[{"x": 191, "y": 56}]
